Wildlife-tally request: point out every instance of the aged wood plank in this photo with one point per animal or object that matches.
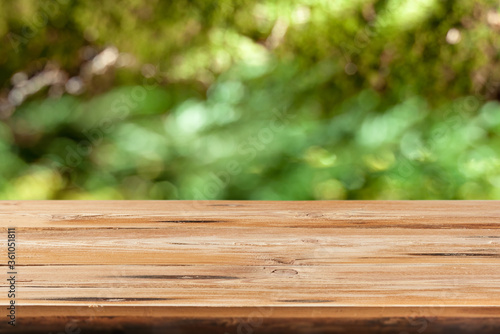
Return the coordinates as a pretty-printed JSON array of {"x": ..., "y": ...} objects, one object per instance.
[{"x": 253, "y": 267}]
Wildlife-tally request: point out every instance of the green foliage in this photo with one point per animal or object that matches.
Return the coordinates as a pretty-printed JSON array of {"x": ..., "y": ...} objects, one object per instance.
[{"x": 251, "y": 100}]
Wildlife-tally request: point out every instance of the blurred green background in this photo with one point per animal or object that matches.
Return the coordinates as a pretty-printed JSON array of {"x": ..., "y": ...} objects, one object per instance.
[{"x": 275, "y": 100}]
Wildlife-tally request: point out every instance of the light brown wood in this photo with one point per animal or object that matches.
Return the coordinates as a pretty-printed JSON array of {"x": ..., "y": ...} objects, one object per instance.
[{"x": 238, "y": 266}]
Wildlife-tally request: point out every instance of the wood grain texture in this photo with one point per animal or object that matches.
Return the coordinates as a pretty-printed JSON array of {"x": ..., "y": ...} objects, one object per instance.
[{"x": 254, "y": 267}]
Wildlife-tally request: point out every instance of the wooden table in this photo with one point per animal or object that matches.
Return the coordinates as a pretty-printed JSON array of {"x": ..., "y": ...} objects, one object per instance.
[{"x": 252, "y": 267}]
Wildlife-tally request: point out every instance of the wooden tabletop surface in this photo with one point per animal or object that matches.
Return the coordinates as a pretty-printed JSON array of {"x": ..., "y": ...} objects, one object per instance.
[{"x": 253, "y": 267}]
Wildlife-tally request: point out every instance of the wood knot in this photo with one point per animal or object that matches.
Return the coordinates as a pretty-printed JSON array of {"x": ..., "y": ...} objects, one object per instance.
[
  {"x": 284, "y": 260},
  {"x": 310, "y": 240},
  {"x": 285, "y": 272}
]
